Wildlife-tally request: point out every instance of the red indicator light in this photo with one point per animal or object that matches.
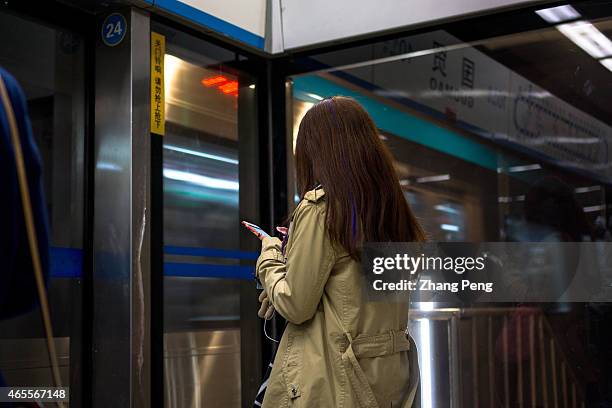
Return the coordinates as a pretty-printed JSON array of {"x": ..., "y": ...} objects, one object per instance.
[
  {"x": 222, "y": 83},
  {"x": 229, "y": 88},
  {"x": 216, "y": 80}
]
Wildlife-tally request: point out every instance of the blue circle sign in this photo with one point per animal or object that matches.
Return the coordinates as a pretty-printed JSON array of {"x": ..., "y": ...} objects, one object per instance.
[{"x": 113, "y": 29}]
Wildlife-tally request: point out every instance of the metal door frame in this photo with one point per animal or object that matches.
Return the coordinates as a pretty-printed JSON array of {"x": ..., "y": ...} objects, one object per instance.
[
  {"x": 121, "y": 366},
  {"x": 253, "y": 202}
]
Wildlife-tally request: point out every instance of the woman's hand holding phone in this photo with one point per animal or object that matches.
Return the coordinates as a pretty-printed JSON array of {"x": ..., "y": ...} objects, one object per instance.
[{"x": 256, "y": 229}]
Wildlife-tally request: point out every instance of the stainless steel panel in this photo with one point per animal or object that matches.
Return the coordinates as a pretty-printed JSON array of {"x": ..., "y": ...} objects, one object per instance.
[
  {"x": 121, "y": 357},
  {"x": 25, "y": 362},
  {"x": 202, "y": 369}
]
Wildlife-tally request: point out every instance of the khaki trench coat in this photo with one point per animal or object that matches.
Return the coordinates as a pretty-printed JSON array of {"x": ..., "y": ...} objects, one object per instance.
[{"x": 337, "y": 349}]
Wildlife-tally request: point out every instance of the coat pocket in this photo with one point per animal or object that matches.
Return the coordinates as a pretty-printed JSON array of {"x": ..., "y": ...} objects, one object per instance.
[{"x": 293, "y": 364}]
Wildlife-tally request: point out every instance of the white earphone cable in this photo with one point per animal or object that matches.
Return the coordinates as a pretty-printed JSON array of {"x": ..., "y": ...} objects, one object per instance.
[{"x": 265, "y": 332}]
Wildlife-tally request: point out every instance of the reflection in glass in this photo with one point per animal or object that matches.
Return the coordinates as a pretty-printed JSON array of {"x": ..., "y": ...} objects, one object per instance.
[
  {"x": 201, "y": 218},
  {"x": 48, "y": 63},
  {"x": 506, "y": 140}
]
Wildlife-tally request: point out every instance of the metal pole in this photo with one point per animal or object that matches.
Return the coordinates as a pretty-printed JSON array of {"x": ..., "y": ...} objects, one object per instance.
[{"x": 121, "y": 275}]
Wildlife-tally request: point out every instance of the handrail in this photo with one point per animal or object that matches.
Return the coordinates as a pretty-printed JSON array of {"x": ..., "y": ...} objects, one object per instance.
[{"x": 540, "y": 336}]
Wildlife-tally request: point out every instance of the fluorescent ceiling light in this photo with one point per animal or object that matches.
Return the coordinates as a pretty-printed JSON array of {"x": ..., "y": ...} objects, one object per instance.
[
  {"x": 315, "y": 96},
  {"x": 588, "y": 37},
  {"x": 201, "y": 154},
  {"x": 558, "y": 14},
  {"x": 108, "y": 166},
  {"x": 594, "y": 208},
  {"x": 527, "y": 167},
  {"x": 430, "y": 179},
  {"x": 201, "y": 180},
  {"x": 581, "y": 190},
  {"x": 573, "y": 140},
  {"x": 172, "y": 68},
  {"x": 607, "y": 63},
  {"x": 446, "y": 208},
  {"x": 449, "y": 227},
  {"x": 425, "y": 337}
]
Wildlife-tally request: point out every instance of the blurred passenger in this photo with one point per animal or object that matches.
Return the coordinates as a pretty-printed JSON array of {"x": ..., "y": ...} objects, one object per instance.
[
  {"x": 18, "y": 293},
  {"x": 338, "y": 349},
  {"x": 601, "y": 233},
  {"x": 551, "y": 214},
  {"x": 551, "y": 204}
]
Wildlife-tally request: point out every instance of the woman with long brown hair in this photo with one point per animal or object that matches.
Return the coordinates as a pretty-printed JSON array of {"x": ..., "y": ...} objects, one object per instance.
[{"x": 338, "y": 350}]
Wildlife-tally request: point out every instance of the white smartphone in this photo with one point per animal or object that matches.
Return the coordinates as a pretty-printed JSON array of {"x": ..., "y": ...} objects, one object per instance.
[{"x": 256, "y": 229}]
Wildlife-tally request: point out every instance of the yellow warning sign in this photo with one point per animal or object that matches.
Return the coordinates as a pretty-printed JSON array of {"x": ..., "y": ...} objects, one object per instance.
[{"x": 158, "y": 50}]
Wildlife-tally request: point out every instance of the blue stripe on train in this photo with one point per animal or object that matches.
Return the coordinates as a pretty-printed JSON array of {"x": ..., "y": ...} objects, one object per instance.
[
  {"x": 210, "y": 252},
  {"x": 68, "y": 263},
  {"x": 208, "y": 271}
]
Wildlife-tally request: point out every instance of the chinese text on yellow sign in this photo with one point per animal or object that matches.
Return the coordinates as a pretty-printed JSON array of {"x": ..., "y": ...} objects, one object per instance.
[{"x": 158, "y": 50}]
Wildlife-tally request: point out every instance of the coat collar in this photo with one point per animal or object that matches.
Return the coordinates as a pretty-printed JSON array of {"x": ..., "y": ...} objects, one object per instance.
[{"x": 315, "y": 195}]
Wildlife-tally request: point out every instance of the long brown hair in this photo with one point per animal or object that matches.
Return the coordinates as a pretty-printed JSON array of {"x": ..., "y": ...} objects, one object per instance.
[{"x": 338, "y": 146}]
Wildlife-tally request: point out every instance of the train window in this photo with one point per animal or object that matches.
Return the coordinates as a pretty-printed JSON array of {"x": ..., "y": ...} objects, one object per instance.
[
  {"x": 503, "y": 137},
  {"x": 48, "y": 63},
  {"x": 202, "y": 263}
]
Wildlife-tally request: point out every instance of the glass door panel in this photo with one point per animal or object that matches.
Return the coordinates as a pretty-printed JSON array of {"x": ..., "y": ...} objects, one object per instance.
[
  {"x": 49, "y": 64},
  {"x": 203, "y": 262}
]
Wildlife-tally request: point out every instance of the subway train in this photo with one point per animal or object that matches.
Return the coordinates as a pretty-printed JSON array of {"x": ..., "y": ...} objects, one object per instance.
[{"x": 486, "y": 148}]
